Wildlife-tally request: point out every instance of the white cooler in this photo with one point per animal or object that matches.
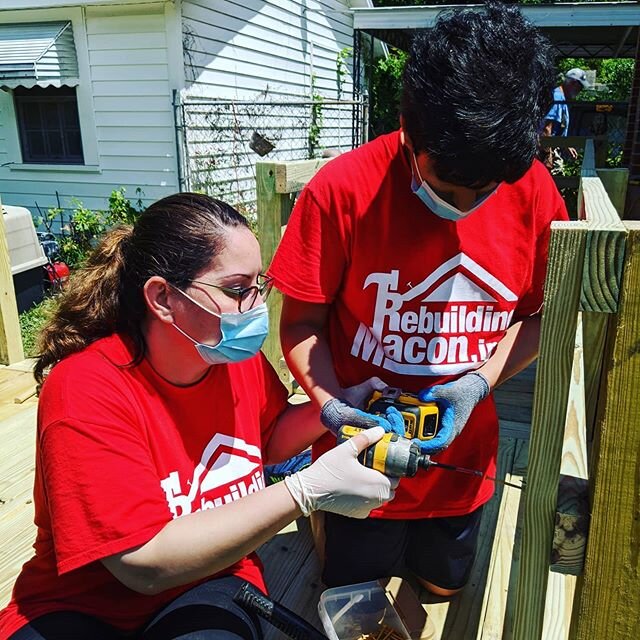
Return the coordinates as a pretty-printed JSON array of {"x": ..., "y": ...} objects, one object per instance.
[{"x": 26, "y": 256}]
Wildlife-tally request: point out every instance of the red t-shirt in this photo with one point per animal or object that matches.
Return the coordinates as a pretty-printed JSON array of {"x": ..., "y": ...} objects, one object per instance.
[
  {"x": 415, "y": 299},
  {"x": 120, "y": 452}
]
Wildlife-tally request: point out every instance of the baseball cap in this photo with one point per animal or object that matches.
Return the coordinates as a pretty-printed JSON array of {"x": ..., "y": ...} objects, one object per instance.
[{"x": 579, "y": 75}]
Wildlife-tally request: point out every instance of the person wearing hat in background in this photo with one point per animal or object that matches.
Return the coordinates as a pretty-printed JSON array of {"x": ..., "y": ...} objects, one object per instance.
[{"x": 556, "y": 122}]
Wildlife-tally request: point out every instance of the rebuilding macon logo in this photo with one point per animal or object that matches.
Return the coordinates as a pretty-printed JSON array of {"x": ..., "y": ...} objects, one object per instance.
[
  {"x": 226, "y": 462},
  {"x": 452, "y": 313}
]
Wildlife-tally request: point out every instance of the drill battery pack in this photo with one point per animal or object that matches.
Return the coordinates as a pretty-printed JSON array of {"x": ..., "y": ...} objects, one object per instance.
[{"x": 421, "y": 419}]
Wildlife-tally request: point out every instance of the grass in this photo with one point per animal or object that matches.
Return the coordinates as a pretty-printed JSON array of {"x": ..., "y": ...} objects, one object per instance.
[{"x": 31, "y": 323}]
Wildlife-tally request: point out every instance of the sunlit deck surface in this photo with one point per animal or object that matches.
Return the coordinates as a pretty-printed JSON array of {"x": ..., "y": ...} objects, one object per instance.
[{"x": 481, "y": 611}]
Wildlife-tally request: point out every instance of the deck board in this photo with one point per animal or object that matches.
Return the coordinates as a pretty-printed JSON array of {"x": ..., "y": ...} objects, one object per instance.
[{"x": 17, "y": 434}]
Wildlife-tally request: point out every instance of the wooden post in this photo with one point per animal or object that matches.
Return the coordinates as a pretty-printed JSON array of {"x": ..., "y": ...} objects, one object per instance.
[
  {"x": 273, "y": 211},
  {"x": 276, "y": 186},
  {"x": 10, "y": 337},
  {"x": 608, "y": 596},
  {"x": 615, "y": 183},
  {"x": 585, "y": 264},
  {"x": 559, "y": 318}
]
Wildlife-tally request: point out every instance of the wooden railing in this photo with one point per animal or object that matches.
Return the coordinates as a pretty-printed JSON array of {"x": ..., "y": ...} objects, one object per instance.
[{"x": 585, "y": 406}]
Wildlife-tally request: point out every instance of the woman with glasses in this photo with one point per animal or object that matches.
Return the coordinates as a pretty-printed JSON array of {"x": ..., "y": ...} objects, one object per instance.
[{"x": 157, "y": 412}]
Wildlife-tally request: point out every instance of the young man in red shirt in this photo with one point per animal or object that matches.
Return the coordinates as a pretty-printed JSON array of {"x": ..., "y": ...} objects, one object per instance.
[{"x": 420, "y": 258}]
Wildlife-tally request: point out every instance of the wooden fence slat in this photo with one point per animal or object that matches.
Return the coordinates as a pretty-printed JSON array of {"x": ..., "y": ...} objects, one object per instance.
[
  {"x": 608, "y": 596},
  {"x": 562, "y": 292}
]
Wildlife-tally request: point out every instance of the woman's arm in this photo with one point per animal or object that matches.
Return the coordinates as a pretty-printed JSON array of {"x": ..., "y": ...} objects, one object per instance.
[
  {"x": 202, "y": 543},
  {"x": 306, "y": 349}
]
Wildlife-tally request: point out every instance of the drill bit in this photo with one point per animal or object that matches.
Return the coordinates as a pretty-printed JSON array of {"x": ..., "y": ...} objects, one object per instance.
[{"x": 473, "y": 472}]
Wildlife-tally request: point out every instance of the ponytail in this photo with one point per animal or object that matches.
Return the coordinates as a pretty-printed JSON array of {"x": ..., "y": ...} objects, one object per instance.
[{"x": 89, "y": 308}]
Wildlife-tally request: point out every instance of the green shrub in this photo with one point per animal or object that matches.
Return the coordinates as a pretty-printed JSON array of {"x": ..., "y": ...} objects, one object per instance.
[
  {"x": 31, "y": 324},
  {"x": 83, "y": 227}
]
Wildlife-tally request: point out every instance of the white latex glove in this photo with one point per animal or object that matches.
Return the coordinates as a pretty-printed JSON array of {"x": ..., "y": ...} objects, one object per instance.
[{"x": 337, "y": 482}]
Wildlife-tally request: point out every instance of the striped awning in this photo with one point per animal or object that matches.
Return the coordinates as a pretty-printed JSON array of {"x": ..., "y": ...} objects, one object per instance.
[{"x": 37, "y": 54}]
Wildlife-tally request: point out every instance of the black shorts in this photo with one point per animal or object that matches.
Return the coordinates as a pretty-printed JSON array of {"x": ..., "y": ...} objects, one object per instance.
[
  {"x": 205, "y": 611},
  {"x": 439, "y": 550}
]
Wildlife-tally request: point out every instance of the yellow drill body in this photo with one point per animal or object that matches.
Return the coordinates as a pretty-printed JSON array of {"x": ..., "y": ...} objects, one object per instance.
[
  {"x": 393, "y": 455},
  {"x": 421, "y": 419}
]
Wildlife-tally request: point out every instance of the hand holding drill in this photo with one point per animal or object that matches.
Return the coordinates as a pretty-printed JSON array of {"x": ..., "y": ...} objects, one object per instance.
[{"x": 456, "y": 400}]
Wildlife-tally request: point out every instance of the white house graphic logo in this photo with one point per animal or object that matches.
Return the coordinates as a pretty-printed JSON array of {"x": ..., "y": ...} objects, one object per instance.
[
  {"x": 229, "y": 469},
  {"x": 445, "y": 325}
]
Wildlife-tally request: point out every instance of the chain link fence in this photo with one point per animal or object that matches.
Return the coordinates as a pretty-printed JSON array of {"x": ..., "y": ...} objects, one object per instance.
[{"x": 221, "y": 140}]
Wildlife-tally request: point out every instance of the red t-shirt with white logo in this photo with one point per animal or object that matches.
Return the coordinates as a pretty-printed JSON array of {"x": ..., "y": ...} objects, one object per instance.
[
  {"x": 120, "y": 452},
  {"x": 416, "y": 299}
]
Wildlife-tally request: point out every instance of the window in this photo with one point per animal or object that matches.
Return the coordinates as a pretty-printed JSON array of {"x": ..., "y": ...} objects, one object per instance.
[{"x": 48, "y": 125}]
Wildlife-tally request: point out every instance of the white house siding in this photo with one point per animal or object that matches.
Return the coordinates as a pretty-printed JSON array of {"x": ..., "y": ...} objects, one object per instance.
[
  {"x": 126, "y": 65},
  {"x": 264, "y": 52},
  {"x": 237, "y": 49}
]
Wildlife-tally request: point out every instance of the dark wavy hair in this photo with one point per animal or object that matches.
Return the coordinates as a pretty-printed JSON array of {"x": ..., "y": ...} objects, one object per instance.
[
  {"x": 475, "y": 90},
  {"x": 175, "y": 238}
]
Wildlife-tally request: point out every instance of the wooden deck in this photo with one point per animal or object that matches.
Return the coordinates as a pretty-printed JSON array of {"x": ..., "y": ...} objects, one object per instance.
[{"x": 481, "y": 612}]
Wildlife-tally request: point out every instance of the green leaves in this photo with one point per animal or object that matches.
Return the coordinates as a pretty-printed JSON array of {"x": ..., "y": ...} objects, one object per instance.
[{"x": 83, "y": 228}]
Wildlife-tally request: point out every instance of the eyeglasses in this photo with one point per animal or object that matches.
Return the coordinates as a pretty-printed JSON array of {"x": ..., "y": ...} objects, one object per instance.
[{"x": 246, "y": 296}]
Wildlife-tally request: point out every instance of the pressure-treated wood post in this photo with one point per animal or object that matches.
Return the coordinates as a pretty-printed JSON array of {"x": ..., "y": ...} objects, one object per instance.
[
  {"x": 273, "y": 212},
  {"x": 10, "y": 338},
  {"x": 608, "y": 595},
  {"x": 276, "y": 186},
  {"x": 561, "y": 299}
]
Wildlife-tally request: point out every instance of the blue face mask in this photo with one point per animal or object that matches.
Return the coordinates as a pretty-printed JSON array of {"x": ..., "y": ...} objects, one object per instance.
[
  {"x": 243, "y": 334},
  {"x": 439, "y": 206}
]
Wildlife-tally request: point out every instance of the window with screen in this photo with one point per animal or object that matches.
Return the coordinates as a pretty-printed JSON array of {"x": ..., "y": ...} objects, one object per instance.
[{"x": 48, "y": 125}]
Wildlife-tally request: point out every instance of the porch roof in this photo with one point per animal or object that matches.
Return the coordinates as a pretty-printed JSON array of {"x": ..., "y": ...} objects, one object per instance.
[{"x": 581, "y": 30}]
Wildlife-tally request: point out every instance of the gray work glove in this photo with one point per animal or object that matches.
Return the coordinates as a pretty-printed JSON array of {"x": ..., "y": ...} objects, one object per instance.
[
  {"x": 337, "y": 482},
  {"x": 335, "y": 413},
  {"x": 456, "y": 400}
]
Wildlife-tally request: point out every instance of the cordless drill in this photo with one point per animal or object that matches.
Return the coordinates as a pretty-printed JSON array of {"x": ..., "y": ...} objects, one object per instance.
[
  {"x": 421, "y": 419},
  {"x": 395, "y": 456}
]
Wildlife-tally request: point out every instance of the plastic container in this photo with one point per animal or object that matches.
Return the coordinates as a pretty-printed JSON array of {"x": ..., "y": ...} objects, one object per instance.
[
  {"x": 357, "y": 610},
  {"x": 26, "y": 256}
]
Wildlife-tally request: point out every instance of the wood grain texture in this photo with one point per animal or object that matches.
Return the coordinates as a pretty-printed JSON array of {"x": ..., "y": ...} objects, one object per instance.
[
  {"x": 615, "y": 182},
  {"x": 273, "y": 210},
  {"x": 559, "y": 319},
  {"x": 604, "y": 253},
  {"x": 608, "y": 596},
  {"x": 594, "y": 334},
  {"x": 292, "y": 176},
  {"x": 572, "y": 514},
  {"x": 557, "y": 610}
]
